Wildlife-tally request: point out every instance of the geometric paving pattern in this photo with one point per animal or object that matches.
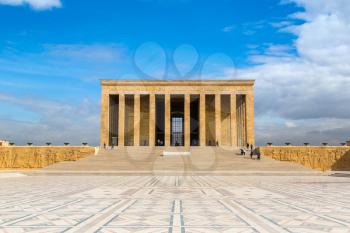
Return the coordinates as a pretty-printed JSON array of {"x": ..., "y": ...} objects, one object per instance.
[{"x": 192, "y": 204}]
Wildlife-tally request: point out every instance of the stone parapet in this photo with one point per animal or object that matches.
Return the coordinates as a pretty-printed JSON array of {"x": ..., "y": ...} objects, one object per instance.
[
  {"x": 41, "y": 156},
  {"x": 324, "y": 158}
]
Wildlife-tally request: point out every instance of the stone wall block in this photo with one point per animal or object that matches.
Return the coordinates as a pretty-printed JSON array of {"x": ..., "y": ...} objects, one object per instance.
[
  {"x": 316, "y": 157},
  {"x": 40, "y": 156}
]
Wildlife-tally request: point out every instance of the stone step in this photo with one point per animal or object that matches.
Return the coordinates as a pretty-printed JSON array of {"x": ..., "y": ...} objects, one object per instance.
[{"x": 149, "y": 160}]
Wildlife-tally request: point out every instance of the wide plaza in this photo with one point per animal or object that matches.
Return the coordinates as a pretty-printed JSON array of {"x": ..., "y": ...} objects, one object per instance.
[{"x": 244, "y": 203}]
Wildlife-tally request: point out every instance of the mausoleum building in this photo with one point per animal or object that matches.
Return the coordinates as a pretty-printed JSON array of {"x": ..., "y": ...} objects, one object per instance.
[{"x": 177, "y": 113}]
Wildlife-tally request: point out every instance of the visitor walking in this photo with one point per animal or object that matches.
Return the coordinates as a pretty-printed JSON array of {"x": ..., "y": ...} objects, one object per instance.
[{"x": 257, "y": 154}]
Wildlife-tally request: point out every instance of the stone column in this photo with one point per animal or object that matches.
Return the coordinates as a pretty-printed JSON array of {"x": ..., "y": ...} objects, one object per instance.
[
  {"x": 136, "y": 119},
  {"x": 167, "y": 120},
  {"x": 250, "y": 118},
  {"x": 218, "y": 118},
  {"x": 240, "y": 125},
  {"x": 152, "y": 119},
  {"x": 233, "y": 121},
  {"x": 202, "y": 125},
  {"x": 187, "y": 120},
  {"x": 121, "y": 123},
  {"x": 104, "y": 133}
]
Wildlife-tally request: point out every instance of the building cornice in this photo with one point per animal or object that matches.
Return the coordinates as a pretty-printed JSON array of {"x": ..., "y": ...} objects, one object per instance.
[{"x": 177, "y": 82}]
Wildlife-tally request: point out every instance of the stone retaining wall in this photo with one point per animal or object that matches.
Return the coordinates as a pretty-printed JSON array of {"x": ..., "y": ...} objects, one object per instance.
[
  {"x": 316, "y": 157},
  {"x": 41, "y": 156}
]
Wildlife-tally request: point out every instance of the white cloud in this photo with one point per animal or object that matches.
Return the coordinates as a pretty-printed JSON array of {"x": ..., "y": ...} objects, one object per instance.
[
  {"x": 35, "y": 4},
  {"x": 310, "y": 85},
  {"x": 312, "y": 131},
  {"x": 281, "y": 24},
  {"x": 59, "y": 122},
  {"x": 290, "y": 124},
  {"x": 68, "y": 72},
  {"x": 228, "y": 28},
  {"x": 92, "y": 52},
  {"x": 78, "y": 61}
]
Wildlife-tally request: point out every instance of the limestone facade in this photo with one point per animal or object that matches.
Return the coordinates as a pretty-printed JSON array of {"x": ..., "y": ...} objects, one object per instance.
[
  {"x": 177, "y": 113},
  {"x": 323, "y": 158}
]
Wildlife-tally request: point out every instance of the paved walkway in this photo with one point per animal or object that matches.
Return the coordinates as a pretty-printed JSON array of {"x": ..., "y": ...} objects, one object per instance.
[{"x": 156, "y": 204}]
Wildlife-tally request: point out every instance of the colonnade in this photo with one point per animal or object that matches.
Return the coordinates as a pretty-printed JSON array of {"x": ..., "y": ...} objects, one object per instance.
[{"x": 215, "y": 119}]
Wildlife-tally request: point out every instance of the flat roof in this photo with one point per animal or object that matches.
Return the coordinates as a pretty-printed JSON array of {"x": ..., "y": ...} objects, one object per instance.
[{"x": 229, "y": 82}]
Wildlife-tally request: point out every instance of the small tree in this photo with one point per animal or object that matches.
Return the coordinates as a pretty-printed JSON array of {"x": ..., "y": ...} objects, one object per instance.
[
  {"x": 66, "y": 143},
  {"x": 29, "y": 143},
  {"x": 84, "y": 143},
  {"x": 48, "y": 143}
]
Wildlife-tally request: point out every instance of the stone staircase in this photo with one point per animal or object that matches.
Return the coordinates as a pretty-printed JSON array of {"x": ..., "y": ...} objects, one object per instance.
[{"x": 145, "y": 160}]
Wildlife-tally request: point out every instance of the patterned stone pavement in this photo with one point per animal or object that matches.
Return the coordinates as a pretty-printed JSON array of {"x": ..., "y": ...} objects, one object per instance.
[{"x": 189, "y": 204}]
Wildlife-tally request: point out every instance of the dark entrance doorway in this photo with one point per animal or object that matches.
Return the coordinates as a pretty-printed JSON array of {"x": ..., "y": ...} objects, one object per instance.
[
  {"x": 160, "y": 120},
  {"x": 177, "y": 120},
  {"x": 194, "y": 122}
]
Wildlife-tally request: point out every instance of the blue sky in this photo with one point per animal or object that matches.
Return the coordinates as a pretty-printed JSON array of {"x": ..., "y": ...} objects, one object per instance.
[{"x": 53, "y": 53}]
